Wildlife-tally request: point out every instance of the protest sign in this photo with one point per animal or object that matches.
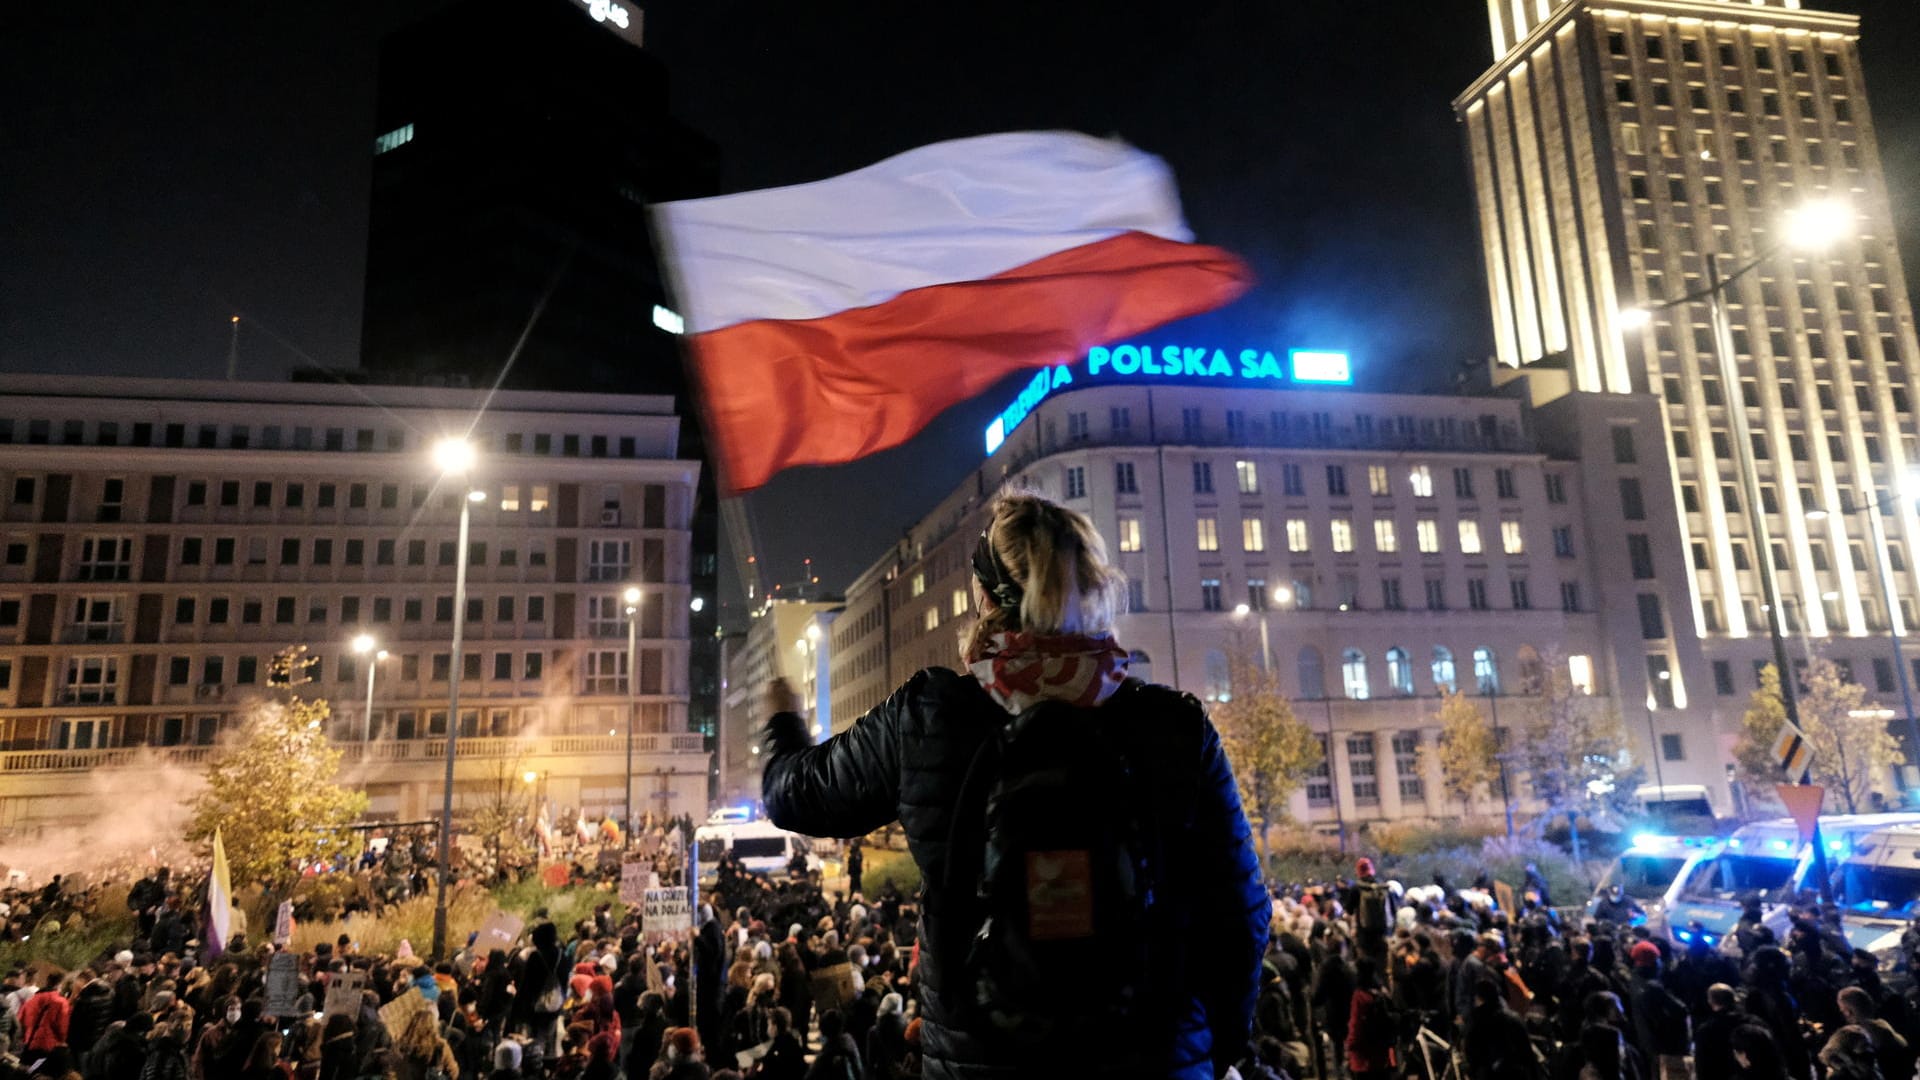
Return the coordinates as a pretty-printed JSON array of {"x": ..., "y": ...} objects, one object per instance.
[
  {"x": 635, "y": 877},
  {"x": 397, "y": 1013},
  {"x": 283, "y": 984},
  {"x": 500, "y": 931},
  {"x": 283, "y": 923},
  {"x": 666, "y": 911},
  {"x": 343, "y": 992}
]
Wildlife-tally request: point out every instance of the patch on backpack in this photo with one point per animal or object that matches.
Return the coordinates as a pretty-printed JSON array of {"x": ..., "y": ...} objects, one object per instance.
[{"x": 1059, "y": 895}]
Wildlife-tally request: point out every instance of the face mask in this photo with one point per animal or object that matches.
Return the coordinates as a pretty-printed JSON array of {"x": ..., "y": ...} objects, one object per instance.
[{"x": 233, "y": 1016}]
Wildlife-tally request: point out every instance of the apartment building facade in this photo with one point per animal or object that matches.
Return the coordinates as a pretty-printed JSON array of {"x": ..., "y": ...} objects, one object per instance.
[
  {"x": 1630, "y": 157},
  {"x": 163, "y": 538},
  {"x": 1376, "y": 549}
]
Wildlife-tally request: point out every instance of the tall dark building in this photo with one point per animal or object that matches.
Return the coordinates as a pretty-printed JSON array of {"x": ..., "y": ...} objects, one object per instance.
[{"x": 517, "y": 145}]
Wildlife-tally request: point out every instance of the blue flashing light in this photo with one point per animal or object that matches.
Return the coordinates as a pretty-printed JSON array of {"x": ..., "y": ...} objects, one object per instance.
[
  {"x": 1683, "y": 935},
  {"x": 1736, "y": 842},
  {"x": 1320, "y": 366},
  {"x": 1778, "y": 845},
  {"x": 1836, "y": 845},
  {"x": 1646, "y": 840}
]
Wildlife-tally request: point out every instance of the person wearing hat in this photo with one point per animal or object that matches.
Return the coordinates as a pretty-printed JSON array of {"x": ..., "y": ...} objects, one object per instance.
[
  {"x": 1662, "y": 1030},
  {"x": 681, "y": 1059}
]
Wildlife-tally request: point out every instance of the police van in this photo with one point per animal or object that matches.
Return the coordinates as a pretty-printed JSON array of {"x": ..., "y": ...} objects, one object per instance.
[
  {"x": 1648, "y": 868},
  {"x": 759, "y": 846},
  {"x": 1878, "y": 887},
  {"x": 1765, "y": 859}
]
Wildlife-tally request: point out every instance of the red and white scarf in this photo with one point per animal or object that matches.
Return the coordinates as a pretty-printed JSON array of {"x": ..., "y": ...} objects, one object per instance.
[{"x": 1021, "y": 669}]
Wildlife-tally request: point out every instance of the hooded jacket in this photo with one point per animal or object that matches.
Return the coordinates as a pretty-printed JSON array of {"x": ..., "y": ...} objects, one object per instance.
[{"x": 906, "y": 761}]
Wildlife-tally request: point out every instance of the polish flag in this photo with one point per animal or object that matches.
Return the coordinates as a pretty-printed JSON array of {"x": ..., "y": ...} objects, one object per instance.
[{"x": 834, "y": 319}]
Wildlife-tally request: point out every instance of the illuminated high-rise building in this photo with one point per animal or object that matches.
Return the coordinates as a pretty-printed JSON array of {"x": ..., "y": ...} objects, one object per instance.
[{"x": 1618, "y": 149}]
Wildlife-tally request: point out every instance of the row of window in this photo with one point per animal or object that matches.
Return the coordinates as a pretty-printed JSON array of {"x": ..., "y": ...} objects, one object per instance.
[
  {"x": 1381, "y": 481},
  {"x": 110, "y": 558},
  {"x": 1443, "y": 673},
  {"x": 1300, "y": 595},
  {"x": 96, "y": 680},
  {"x": 94, "y": 733},
  {"x": 1668, "y": 142},
  {"x": 41, "y": 432},
  {"x": 1313, "y": 428},
  {"x": 1654, "y": 47},
  {"x": 1386, "y": 536}
]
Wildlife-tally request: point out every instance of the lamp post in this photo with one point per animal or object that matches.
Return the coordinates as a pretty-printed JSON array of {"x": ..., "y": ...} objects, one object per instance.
[
  {"x": 632, "y": 598},
  {"x": 1653, "y": 742},
  {"x": 364, "y": 645},
  {"x": 1812, "y": 226},
  {"x": 1884, "y": 576},
  {"x": 454, "y": 457}
]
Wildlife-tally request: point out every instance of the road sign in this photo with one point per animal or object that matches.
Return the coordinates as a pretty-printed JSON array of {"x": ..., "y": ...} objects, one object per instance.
[
  {"x": 1790, "y": 749},
  {"x": 1803, "y": 802}
]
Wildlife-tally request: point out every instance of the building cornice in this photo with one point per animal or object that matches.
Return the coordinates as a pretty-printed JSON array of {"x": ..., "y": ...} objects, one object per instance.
[{"x": 1706, "y": 11}]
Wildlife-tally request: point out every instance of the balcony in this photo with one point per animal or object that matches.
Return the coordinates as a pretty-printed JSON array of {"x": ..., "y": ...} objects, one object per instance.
[{"x": 387, "y": 751}]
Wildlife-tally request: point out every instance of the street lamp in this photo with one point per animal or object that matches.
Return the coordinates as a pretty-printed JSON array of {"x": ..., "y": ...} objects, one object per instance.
[
  {"x": 1653, "y": 741},
  {"x": 364, "y": 645},
  {"x": 455, "y": 459},
  {"x": 1813, "y": 226},
  {"x": 1241, "y": 611},
  {"x": 632, "y": 598}
]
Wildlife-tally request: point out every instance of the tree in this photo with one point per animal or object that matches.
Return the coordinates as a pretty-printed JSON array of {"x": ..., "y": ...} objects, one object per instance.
[
  {"x": 503, "y": 818},
  {"x": 1272, "y": 751},
  {"x": 1753, "y": 751},
  {"x": 1466, "y": 752},
  {"x": 1571, "y": 746},
  {"x": 1850, "y": 745},
  {"x": 270, "y": 789}
]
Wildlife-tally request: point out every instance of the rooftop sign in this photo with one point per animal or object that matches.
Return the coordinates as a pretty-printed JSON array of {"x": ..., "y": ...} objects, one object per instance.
[{"x": 1137, "y": 364}]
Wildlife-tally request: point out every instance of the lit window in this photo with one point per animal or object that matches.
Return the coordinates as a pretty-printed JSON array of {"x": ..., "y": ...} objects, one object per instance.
[
  {"x": 1249, "y": 477},
  {"x": 919, "y": 585},
  {"x": 1129, "y": 534},
  {"x": 393, "y": 140},
  {"x": 1580, "y": 672},
  {"x": 1470, "y": 537},
  {"x": 537, "y": 498},
  {"x": 1208, "y": 532},
  {"x": 960, "y": 600},
  {"x": 1427, "y": 533},
  {"x": 510, "y": 498},
  {"x": 1252, "y": 536},
  {"x": 1377, "y": 482},
  {"x": 1353, "y": 674},
  {"x": 933, "y": 619},
  {"x": 1299, "y": 535},
  {"x": 1384, "y": 538},
  {"x": 1421, "y": 480},
  {"x": 1511, "y": 540},
  {"x": 1342, "y": 534}
]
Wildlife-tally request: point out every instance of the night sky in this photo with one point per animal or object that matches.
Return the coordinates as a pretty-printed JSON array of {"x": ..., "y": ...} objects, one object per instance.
[{"x": 168, "y": 165}]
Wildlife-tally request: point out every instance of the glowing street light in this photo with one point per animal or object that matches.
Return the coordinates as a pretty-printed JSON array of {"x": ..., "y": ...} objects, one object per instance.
[
  {"x": 365, "y": 645},
  {"x": 455, "y": 458}
]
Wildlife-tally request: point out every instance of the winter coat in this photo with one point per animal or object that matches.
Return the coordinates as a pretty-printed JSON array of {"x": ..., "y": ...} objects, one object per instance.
[
  {"x": 119, "y": 1055},
  {"x": 906, "y": 760},
  {"x": 91, "y": 1013},
  {"x": 1370, "y": 1034},
  {"x": 166, "y": 1060},
  {"x": 44, "y": 1021}
]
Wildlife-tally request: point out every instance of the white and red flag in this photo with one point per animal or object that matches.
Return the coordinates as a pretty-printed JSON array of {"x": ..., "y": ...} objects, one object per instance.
[{"x": 834, "y": 319}]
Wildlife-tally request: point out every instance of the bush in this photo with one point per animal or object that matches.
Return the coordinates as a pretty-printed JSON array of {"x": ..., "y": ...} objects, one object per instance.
[
  {"x": 1413, "y": 855},
  {"x": 1392, "y": 838},
  {"x": 882, "y": 865},
  {"x": 69, "y": 949}
]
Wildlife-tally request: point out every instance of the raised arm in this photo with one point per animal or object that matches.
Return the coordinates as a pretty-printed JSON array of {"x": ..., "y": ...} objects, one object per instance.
[{"x": 846, "y": 786}]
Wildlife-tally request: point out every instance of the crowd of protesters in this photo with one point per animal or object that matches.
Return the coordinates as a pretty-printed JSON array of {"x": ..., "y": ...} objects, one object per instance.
[
  {"x": 1371, "y": 980},
  {"x": 788, "y": 982}
]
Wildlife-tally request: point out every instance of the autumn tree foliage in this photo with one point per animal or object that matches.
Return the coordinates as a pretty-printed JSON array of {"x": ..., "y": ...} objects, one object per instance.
[
  {"x": 1272, "y": 751},
  {"x": 1466, "y": 753}
]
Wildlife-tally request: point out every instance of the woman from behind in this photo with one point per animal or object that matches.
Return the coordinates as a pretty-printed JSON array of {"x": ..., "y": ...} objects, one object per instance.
[
  {"x": 422, "y": 1053},
  {"x": 1046, "y": 599}
]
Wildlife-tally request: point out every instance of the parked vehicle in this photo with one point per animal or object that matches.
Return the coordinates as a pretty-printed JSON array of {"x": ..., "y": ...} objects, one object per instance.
[
  {"x": 1647, "y": 870},
  {"x": 1877, "y": 885},
  {"x": 760, "y": 846}
]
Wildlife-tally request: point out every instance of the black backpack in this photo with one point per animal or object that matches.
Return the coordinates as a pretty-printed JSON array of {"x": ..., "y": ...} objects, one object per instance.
[{"x": 1066, "y": 856}]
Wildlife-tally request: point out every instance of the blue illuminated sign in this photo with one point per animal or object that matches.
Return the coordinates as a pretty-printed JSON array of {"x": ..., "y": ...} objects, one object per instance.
[{"x": 1129, "y": 363}]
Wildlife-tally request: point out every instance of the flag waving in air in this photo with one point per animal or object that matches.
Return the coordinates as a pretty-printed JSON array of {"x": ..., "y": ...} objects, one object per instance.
[
  {"x": 834, "y": 319},
  {"x": 219, "y": 901}
]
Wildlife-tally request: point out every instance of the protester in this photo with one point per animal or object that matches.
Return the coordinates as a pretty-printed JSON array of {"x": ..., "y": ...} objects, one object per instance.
[{"x": 1047, "y": 599}]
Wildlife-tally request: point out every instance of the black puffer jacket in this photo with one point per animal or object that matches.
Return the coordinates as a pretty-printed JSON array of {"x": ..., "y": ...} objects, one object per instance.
[{"x": 907, "y": 758}]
